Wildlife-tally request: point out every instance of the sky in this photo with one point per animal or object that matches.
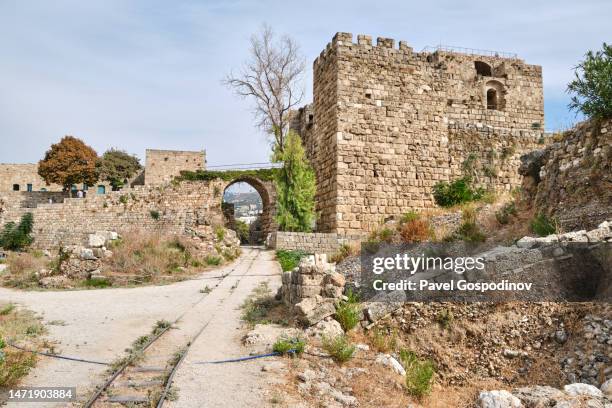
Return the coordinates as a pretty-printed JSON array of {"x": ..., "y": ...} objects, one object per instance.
[{"x": 137, "y": 74}]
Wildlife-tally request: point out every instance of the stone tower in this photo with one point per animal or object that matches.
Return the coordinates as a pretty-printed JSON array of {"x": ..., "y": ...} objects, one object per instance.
[{"x": 386, "y": 124}]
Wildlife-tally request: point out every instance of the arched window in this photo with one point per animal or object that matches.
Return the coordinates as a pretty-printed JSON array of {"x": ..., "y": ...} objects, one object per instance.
[
  {"x": 482, "y": 68},
  {"x": 494, "y": 94},
  {"x": 492, "y": 99}
]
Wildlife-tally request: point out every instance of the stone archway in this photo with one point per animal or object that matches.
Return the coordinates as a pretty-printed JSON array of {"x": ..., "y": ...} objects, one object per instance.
[{"x": 267, "y": 192}]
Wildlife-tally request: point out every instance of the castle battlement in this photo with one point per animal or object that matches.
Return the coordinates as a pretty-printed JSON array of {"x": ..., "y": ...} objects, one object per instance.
[
  {"x": 403, "y": 49},
  {"x": 387, "y": 123}
]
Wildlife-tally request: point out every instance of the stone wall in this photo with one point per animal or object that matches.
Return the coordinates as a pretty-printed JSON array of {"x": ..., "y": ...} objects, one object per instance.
[
  {"x": 316, "y": 242},
  {"x": 173, "y": 208},
  {"x": 162, "y": 166},
  {"x": 388, "y": 124},
  {"x": 571, "y": 180},
  {"x": 23, "y": 175}
]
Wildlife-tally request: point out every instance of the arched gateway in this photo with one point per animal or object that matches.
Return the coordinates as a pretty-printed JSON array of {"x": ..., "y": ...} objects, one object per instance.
[{"x": 267, "y": 192}]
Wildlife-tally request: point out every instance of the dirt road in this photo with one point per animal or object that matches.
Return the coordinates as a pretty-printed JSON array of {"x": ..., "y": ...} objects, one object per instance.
[{"x": 101, "y": 324}]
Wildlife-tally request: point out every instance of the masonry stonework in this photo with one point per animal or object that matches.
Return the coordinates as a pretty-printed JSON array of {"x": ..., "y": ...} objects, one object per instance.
[
  {"x": 571, "y": 179},
  {"x": 387, "y": 124},
  {"x": 23, "y": 177},
  {"x": 162, "y": 166}
]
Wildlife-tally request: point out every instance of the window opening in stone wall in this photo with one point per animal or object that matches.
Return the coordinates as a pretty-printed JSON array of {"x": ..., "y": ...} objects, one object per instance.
[
  {"x": 29, "y": 188},
  {"x": 482, "y": 68},
  {"x": 15, "y": 187},
  {"x": 492, "y": 99}
]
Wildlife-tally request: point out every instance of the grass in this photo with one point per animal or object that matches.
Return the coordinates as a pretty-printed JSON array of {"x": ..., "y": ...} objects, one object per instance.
[
  {"x": 154, "y": 214},
  {"x": 96, "y": 283},
  {"x": 154, "y": 258},
  {"x": 348, "y": 313},
  {"x": 22, "y": 268},
  {"x": 293, "y": 345},
  {"x": 206, "y": 290},
  {"x": 17, "y": 326},
  {"x": 212, "y": 260},
  {"x": 220, "y": 233},
  {"x": 288, "y": 259},
  {"x": 419, "y": 374},
  {"x": 339, "y": 348},
  {"x": 469, "y": 230},
  {"x": 543, "y": 225},
  {"x": 7, "y": 309},
  {"x": 383, "y": 340},
  {"x": 136, "y": 351},
  {"x": 262, "y": 308}
]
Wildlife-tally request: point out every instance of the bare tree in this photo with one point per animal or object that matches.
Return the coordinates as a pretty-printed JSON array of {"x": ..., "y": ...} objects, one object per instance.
[{"x": 272, "y": 77}]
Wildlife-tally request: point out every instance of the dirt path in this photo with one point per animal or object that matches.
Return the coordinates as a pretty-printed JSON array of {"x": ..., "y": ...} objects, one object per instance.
[
  {"x": 101, "y": 324},
  {"x": 233, "y": 384}
]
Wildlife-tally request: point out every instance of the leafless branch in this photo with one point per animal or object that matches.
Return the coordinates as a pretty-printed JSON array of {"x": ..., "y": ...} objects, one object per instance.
[{"x": 272, "y": 77}]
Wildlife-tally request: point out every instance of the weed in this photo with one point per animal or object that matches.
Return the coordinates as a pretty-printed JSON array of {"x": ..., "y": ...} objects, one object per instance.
[
  {"x": 383, "y": 340},
  {"x": 339, "y": 348},
  {"x": 220, "y": 233},
  {"x": 5, "y": 310},
  {"x": 206, "y": 289},
  {"x": 504, "y": 214},
  {"x": 445, "y": 318},
  {"x": 261, "y": 307},
  {"x": 457, "y": 192},
  {"x": 468, "y": 230},
  {"x": 123, "y": 199},
  {"x": 419, "y": 374},
  {"x": 543, "y": 225},
  {"x": 96, "y": 283},
  {"x": 154, "y": 214},
  {"x": 348, "y": 313},
  {"x": 213, "y": 260},
  {"x": 289, "y": 260},
  {"x": 507, "y": 152},
  {"x": 342, "y": 253},
  {"x": 293, "y": 345},
  {"x": 489, "y": 171},
  {"x": 409, "y": 216},
  {"x": 414, "y": 229},
  {"x": 386, "y": 235}
]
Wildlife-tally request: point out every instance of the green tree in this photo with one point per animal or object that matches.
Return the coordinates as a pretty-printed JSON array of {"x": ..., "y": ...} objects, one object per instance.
[
  {"x": 15, "y": 237},
  {"x": 69, "y": 162},
  {"x": 295, "y": 187},
  {"x": 592, "y": 87},
  {"x": 117, "y": 166}
]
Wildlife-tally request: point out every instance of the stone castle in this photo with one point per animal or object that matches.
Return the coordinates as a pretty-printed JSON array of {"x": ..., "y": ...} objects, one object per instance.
[
  {"x": 388, "y": 123},
  {"x": 385, "y": 125}
]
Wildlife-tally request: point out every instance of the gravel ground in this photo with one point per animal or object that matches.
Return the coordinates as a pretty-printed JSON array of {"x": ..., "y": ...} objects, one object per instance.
[{"x": 100, "y": 324}]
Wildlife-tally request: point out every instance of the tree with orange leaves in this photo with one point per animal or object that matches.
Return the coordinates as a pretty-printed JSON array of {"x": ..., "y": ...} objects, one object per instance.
[{"x": 69, "y": 162}]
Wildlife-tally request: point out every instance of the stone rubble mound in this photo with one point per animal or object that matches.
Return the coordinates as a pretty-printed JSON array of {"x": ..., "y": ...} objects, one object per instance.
[{"x": 312, "y": 288}]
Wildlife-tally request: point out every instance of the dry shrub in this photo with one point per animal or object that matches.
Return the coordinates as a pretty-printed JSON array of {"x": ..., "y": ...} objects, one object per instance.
[
  {"x": 414, "y": 228},
  {"x": 345, "y": 250},
  {"x": 22, "y": 263},
  {"x": 151, "y": 255},
  {"x": 22, "y": 268}
]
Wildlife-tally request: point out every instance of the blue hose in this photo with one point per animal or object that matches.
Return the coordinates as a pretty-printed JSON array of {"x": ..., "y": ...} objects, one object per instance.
[{"x": 236, "y": 360}]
